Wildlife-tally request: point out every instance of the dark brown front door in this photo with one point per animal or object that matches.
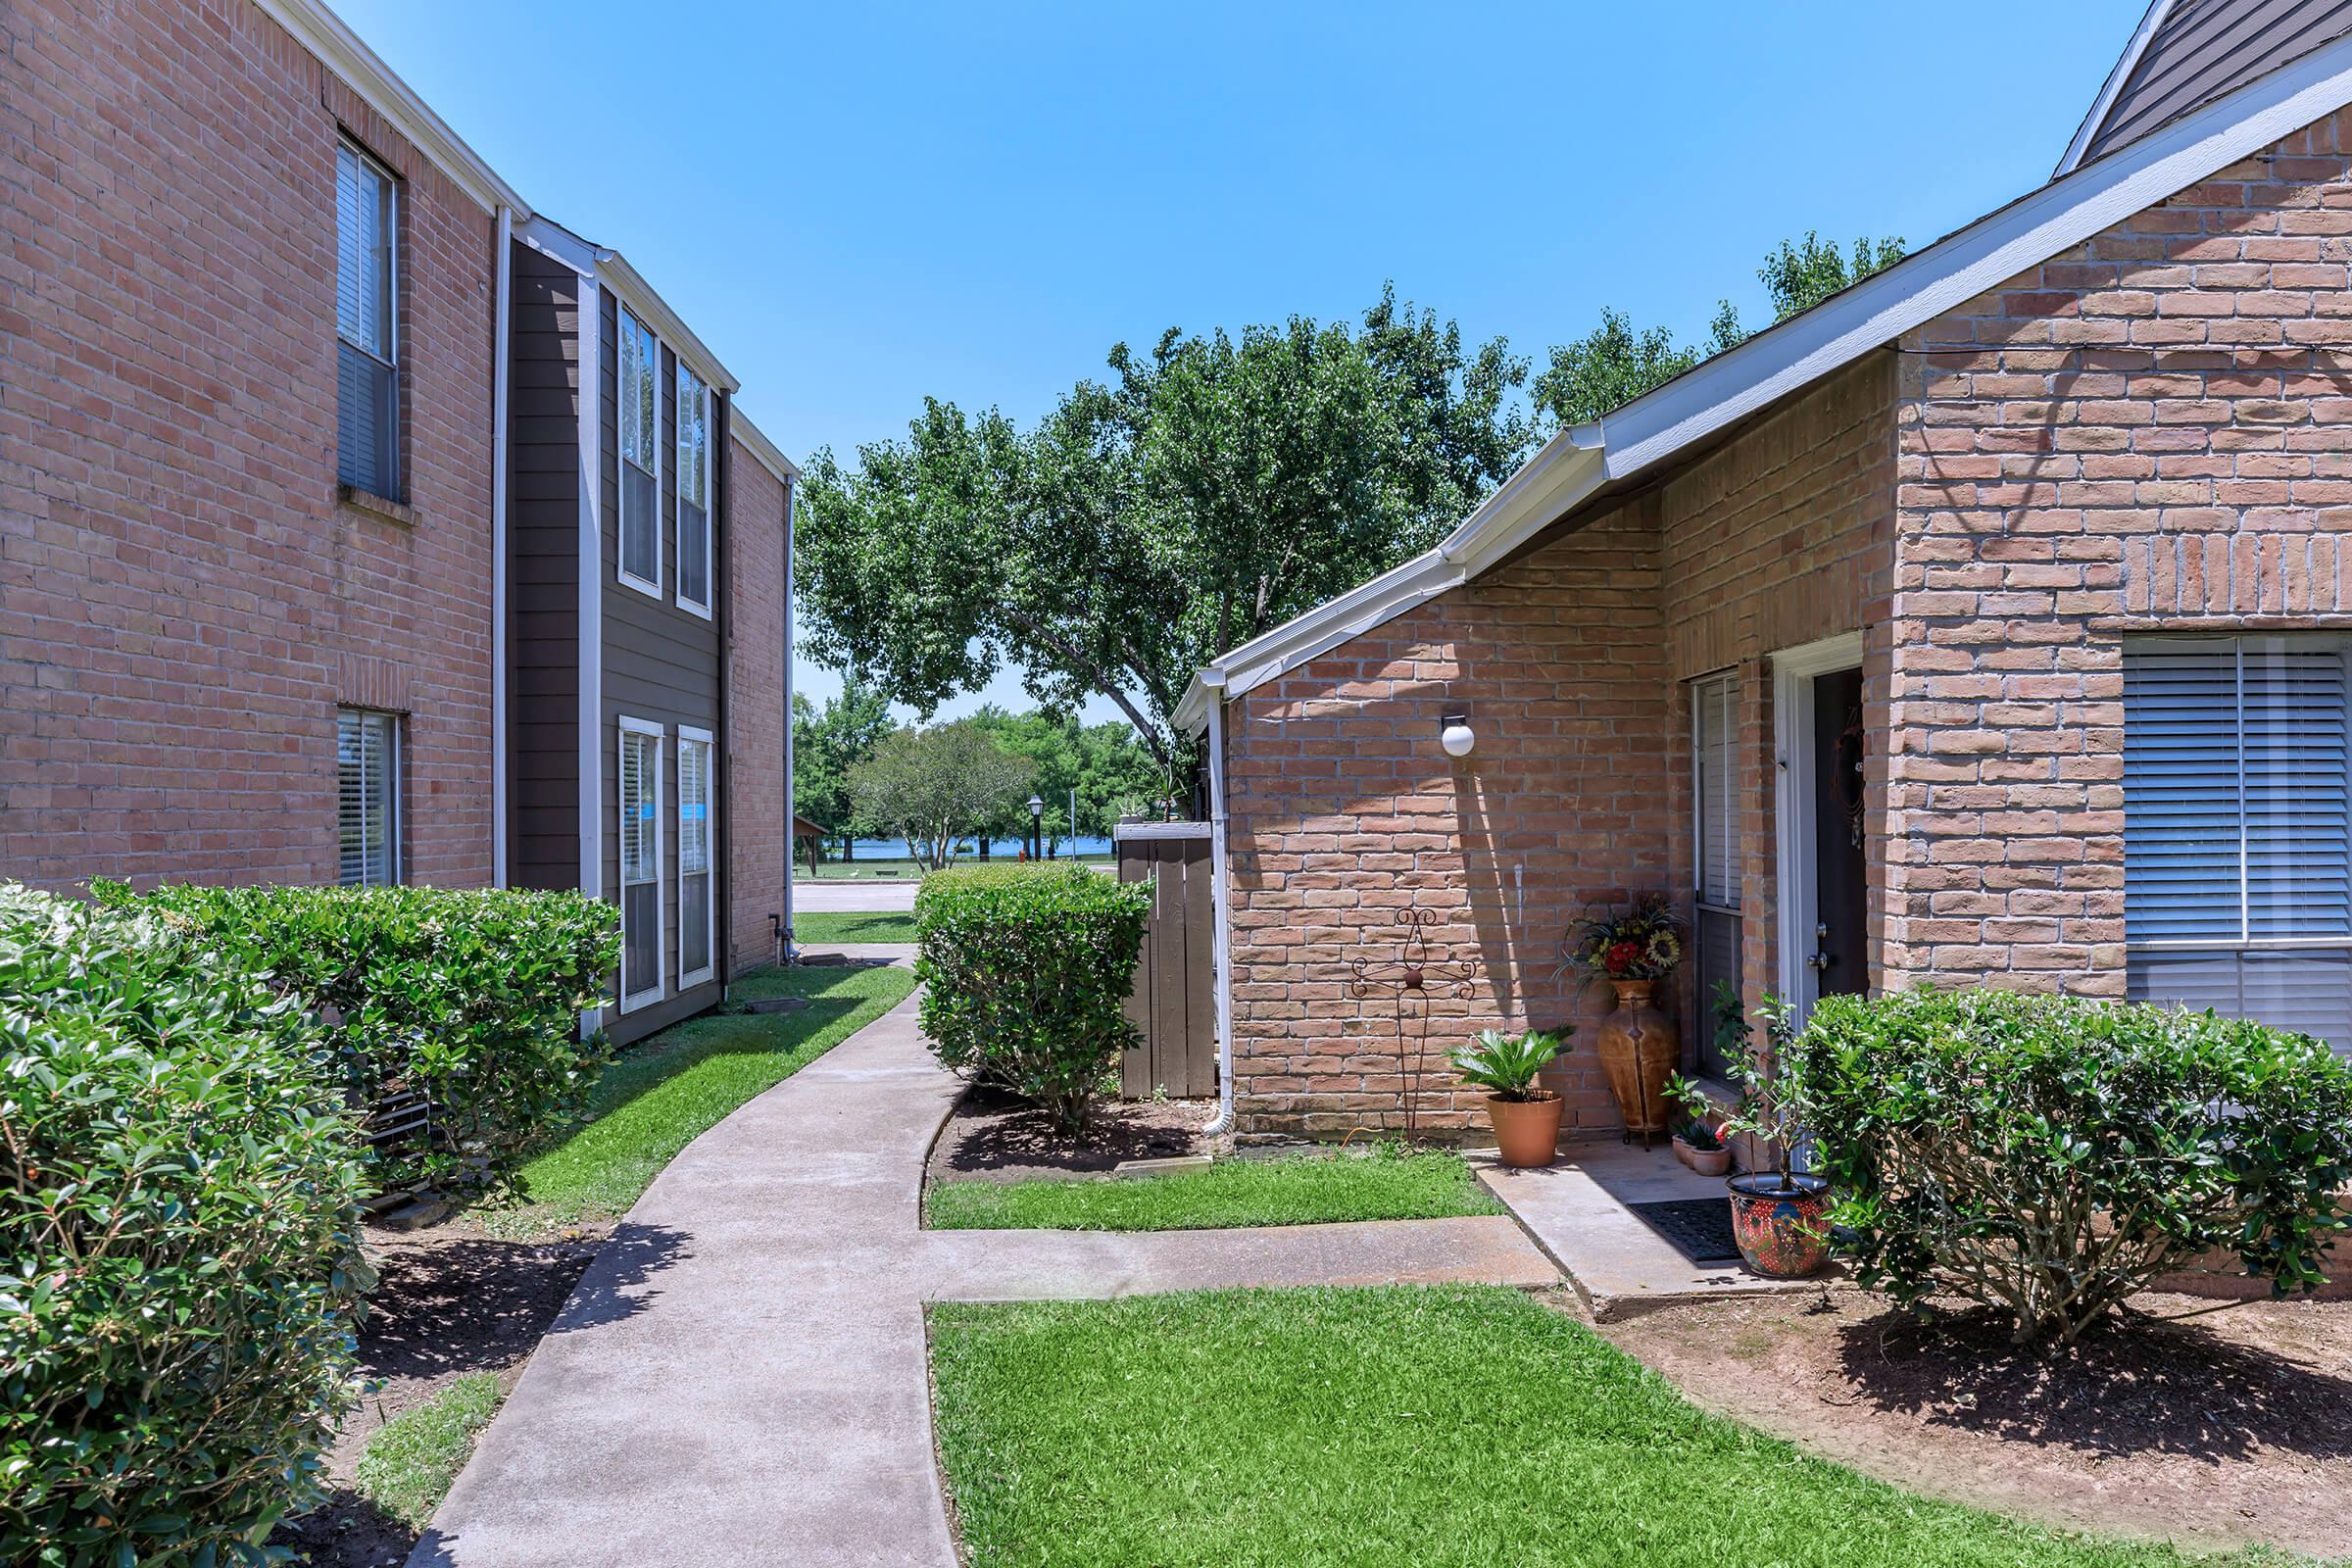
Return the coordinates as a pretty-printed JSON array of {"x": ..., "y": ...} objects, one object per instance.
[{"x": 1842, "y": 898}]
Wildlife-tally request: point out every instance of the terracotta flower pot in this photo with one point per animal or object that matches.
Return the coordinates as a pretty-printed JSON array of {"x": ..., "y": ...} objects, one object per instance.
[
  {"x": 1705, "y": 1161},
  {"x": 1527, "y": 1132},
  {"x": 1639, "y": 1050},
  {"x": 1781, "y": 1231}
]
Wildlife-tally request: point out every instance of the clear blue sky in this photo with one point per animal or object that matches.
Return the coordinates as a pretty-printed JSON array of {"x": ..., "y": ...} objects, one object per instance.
[{"x": 858, "y": 206}]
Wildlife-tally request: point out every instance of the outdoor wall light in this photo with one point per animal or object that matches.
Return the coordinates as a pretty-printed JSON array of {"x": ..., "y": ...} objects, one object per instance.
[{"x": 1457, "y": 737}]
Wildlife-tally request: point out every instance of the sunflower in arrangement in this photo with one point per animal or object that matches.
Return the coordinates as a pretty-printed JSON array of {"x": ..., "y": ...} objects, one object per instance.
[{"x": 1643, "y": 942}]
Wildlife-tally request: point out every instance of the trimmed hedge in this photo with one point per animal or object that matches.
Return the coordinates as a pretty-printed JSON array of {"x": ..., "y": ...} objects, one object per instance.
[
  {"x": 2050, "y": 1156},
  {"x": 472, "y": 996},
  {"x": 178, "y": 1214},
  {"x": 1026, "y": 971}
]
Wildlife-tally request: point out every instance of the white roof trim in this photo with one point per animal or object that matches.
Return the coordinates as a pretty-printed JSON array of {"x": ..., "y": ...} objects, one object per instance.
[
  {"x": 764, "y": 451},
  {"x": 2149, "y": 20},
  {"x": 1784, "y": 359},
  {"x": 650, "y": 307},
  {"x": 328, "y": 36}
]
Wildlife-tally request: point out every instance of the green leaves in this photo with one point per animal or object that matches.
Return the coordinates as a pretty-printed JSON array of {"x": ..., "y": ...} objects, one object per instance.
[
  {"x": 2050, "y": 1156},
  {"x": 1027, "y": 970},
  {"x": 178, "y": 1218},
  {"x": 1506, "y": 1064}
]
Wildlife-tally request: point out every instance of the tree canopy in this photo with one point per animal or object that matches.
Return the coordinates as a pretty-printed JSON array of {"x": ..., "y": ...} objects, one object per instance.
[
  {"x": 1207, "y": 490},
  {"x": 826, "y": 744},
  {"x": 933, "y": 786}
]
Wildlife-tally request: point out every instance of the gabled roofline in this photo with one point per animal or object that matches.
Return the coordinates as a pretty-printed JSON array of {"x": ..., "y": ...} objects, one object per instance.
[
  {"x": 1673, "y": 417},
  {"x": 327, "y": 35},
  {"x": 764, "y": 451},
  {"x": 2088, "y": 130},
  {"x": 607, "y": 264}
]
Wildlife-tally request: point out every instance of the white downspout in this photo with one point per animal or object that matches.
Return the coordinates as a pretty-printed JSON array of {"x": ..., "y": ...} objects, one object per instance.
[
  {"x": 500, "y": 356},
  {"x": 792, "y": 845},
  {"x": 1221, "y": 941}
]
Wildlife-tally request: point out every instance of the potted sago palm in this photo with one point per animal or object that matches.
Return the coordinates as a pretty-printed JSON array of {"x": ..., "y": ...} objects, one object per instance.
[{"x": 1526, "y": 1119}]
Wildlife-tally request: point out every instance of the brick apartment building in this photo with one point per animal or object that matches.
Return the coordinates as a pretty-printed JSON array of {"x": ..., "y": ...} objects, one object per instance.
[
  {"x": 276, "y": 601},
  {"x": 1987, "y": 622}
]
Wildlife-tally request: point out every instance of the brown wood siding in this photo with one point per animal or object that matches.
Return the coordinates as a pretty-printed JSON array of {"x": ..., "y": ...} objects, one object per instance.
[
  {"x": 1173, "y": 1001},
  {"x": 543, "y": 547},
  {"x": 661, "y": 664},
  {"x": 2203, "y": 49}
]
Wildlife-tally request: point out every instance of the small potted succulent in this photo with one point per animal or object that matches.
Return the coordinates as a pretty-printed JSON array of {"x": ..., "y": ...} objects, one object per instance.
[
  {"x": 1526, "y": 1119},
  {"x": 1779, "y": 1215},
  {"x": 1696, "y": 1144}
]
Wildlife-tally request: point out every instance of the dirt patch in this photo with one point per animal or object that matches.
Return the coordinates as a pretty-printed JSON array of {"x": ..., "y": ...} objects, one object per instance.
[
  {"x": 992, "y": 1136},
  {"x": 2231, "y": 1428},
  {"x": 449, "y": 1300}
]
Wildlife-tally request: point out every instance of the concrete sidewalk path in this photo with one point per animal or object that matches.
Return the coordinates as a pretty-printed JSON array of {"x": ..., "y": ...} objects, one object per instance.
[{"x": 741, "y": 1377}]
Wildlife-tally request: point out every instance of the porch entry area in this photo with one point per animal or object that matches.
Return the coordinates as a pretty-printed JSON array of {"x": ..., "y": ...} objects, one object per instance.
[{"x": 1820, "y": 743}]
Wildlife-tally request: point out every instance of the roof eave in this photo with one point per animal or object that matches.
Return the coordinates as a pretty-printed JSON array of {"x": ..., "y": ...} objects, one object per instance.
[{"x": 762, "y": 450}]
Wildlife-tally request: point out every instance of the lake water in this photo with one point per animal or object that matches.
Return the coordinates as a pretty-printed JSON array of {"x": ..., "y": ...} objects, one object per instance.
[{"x": 998, "y": 849}]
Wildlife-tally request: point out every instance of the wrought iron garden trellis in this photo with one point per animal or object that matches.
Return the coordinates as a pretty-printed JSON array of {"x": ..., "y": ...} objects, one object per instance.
[{"x": 1413, "y": 972}]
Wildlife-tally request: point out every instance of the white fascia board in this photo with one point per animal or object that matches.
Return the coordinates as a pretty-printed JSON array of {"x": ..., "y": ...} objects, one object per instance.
[
  {"x": 764, "y": 451},
  {"x": 1957, "y": 268},
  {"x": 558, "y": 244},
  {"x": 341, "y": 50},
  {"x": 652, "y": 308},
  {"x": 2127, "y": 63}
]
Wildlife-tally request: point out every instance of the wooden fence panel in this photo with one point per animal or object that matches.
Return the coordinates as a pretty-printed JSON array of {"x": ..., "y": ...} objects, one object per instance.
[{"x": 1173, "y": 1001}]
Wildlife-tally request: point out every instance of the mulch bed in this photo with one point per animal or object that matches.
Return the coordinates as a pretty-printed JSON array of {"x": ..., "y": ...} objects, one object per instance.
[
  {"x": 2229, "y": 1428},
  {"x": 449, "y": 1301},
  {"x": 993, "y": 1137}
]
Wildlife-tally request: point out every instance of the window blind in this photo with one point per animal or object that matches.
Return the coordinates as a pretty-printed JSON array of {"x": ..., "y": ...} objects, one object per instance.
[
  {"x": 640, "y": 419},
  {"x": 367, "y": 357},
  {"x": 694, "y": 858},
  {"x": 640, "y": 864},
  {"x": 694, "y": 489},
  {"x": 2237, "y": 836},
  {"x": 367, "y": 797},
  {"x": 1716, "y": 748}
]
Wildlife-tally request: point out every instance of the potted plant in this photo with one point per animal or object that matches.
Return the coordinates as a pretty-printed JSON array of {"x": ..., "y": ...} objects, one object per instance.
[
  {"x": 1526, "y": 1119},
  {"x": 1696, "y": 1144},
  {"x": 1779, "y": 1215},
  {"x": 1632, "y": 950}
]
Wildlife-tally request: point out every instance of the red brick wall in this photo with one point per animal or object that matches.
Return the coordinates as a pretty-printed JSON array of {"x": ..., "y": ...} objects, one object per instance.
[
  {"x": 182, "y": 600},
  {"x": 757, "y": 835},
  {"x": 1570, "y": 662},
  {"x": 2143, "y": 432}
]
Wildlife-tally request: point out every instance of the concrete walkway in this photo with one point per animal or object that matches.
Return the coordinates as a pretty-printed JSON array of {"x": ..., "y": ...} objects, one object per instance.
[{"x": 741, "y": 1377}]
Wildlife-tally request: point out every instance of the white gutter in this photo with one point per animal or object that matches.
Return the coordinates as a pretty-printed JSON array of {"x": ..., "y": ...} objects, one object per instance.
[
  {"x": 499, "y": 376},
  {"x": 792, "y": 843},
  {"x": 1221, "y": 940}
]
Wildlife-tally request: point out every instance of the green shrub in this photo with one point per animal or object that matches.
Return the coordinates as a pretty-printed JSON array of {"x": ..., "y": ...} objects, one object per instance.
[
  {"x": 178, "y": 1208},
  {"x": 1027, "y": 970},
  {"x": 2048, "y": 1157},
  {"x": 473, "y": 996}
]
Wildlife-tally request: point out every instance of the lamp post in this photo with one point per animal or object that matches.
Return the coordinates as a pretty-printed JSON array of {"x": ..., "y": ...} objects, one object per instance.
[{"x": 1037, "y": 828}]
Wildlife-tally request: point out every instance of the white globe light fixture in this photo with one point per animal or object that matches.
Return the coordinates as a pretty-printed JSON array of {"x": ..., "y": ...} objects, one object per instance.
[
  {"x": 1037, "y": 807},
  {"x": 1456, "y": 736}
]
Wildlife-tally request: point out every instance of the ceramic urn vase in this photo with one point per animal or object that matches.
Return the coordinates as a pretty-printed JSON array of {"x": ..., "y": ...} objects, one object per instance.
[{"x": 1639, "y": 1050}]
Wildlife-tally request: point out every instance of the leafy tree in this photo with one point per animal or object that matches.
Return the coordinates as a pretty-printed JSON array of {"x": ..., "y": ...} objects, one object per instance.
[
  {"x": 1615, "y": 363},
  {"x": 826, "y": 744},
  {"x": 1212, "y": 489},
  {"x": 932, "y": 786}
]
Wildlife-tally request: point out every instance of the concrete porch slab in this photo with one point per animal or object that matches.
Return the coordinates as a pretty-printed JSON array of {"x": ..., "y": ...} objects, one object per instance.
[{"x": 1576, "y": 1210}]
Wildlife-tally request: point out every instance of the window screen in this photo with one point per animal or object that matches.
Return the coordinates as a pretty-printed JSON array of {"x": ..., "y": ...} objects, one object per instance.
[
  {"x": 640, "y": 865},
  {"x": 640, "y": 421},
  {"x": 694, "y": 489},
  {"x": 366, "y": 334},
  {"x": 2237, "y": 869},
  {"x": 368, "y": 796},
  {"x": 694, "y": 887}
]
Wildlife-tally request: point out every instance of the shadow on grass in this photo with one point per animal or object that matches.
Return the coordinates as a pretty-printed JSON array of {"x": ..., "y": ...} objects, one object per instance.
[{"x": 2136, "y": 1386}]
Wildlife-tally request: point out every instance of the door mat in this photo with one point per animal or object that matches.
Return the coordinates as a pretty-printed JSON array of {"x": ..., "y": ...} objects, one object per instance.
[{"x": 1700, "y": 1228}]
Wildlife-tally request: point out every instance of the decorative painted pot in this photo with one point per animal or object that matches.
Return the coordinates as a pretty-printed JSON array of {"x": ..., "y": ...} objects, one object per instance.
[
  {"x": 1639, "y": 1050},
  {"x": 1781, "y": 1231},
  {"x": 1527, "y": 1132},
  {"x": 1705, "y": 1161}
]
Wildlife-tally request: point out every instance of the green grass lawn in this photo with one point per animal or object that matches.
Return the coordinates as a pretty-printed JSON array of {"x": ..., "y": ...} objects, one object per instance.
[
  {"x": 670, "y": 1088},
  {"x": 823, "y": 928},
  {"x": 1437, "y": 1428},
  {"x": 409, "y": 1463},
  {"x": 1296, "y": 1189}
]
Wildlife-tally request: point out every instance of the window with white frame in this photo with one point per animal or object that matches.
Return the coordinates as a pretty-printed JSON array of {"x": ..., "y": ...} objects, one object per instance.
[
  {"x": 697, "y": 889},
  {"x": 641, "y": 913},
  {"x": 367, "y": 325},
  {"x": 368, "y": 796},
  {"x": 694, "y": 490},
  {"x": 640, "y": 455},
  {"x": 2237, "y": 865},
  {"x": 1715, "y": 851}
]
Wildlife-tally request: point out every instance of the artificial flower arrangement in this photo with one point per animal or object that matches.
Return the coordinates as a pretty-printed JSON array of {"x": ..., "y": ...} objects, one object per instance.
[{"x": 1645, "y": 943}]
